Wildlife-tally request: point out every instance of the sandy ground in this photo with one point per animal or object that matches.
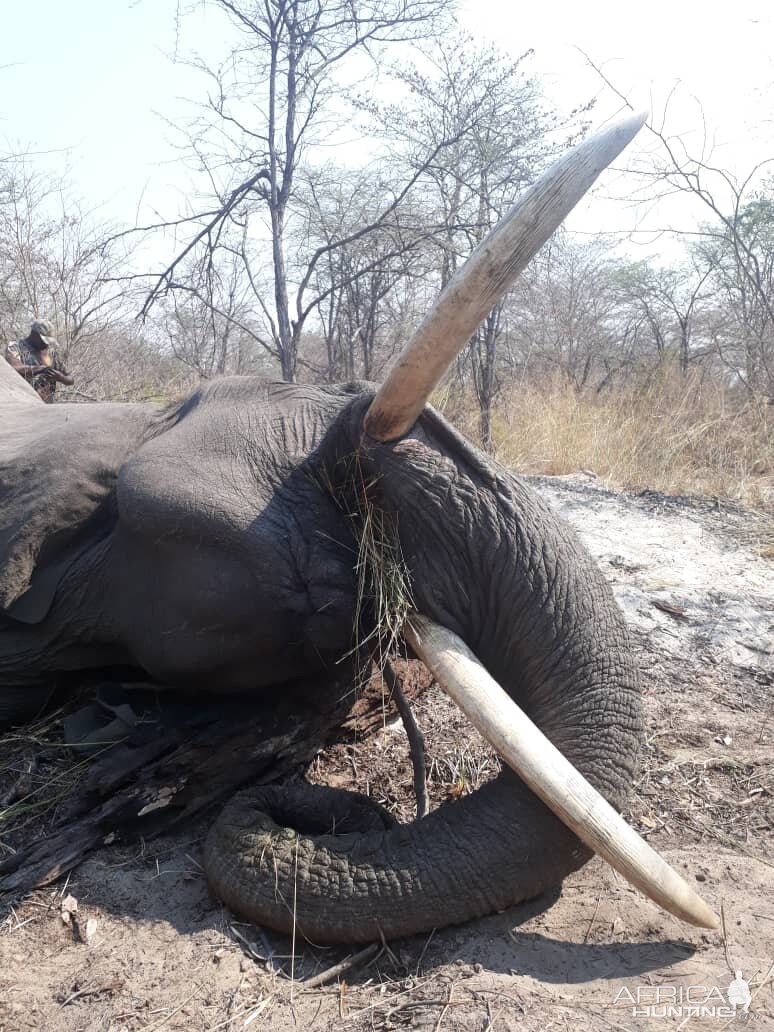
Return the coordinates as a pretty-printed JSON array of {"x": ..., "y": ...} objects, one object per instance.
[{"x": 149, "y": 949}]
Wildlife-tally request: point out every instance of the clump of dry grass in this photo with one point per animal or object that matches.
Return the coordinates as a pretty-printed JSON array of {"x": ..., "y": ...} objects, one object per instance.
[
  {"x": 384, "y": 586},
  {"x": 675, "y": 434},
  {"x": 37, "y": 773},
  {"x": 383, "y": 596}
]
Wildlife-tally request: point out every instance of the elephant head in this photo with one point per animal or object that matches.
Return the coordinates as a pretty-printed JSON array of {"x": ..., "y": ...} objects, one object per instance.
[
  {"x": 217, "y": 542},
  {"x": 503, "y": 578}
]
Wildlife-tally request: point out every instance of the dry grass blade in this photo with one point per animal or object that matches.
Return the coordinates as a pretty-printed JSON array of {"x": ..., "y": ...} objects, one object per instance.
[
  {"x": 383, "y": 584},
  {"x": 446, "y": 1006},
  {"x": 258, "y": 1011}
]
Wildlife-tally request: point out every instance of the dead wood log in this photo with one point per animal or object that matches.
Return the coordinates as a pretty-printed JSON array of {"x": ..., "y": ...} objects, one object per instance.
[{"x": 172, "y": 769}]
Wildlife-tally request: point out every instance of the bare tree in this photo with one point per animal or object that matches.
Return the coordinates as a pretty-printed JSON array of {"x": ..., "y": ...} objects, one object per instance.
[
  {"x": 57, "y": 261},
  {"x": 366, "y": 288},
  {"x": 742, "y": 324},
  {"x": 207, "y": 321},
  {"x": 670, "y": 299},
  {"x": 503, "y": 133},
  {"x": 568, "y": 316},
  {"x": 278, "y": 93},
  {"x": 735, "y": 241}
]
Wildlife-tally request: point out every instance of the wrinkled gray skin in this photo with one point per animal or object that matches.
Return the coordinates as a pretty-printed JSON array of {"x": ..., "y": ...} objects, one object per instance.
[{"x": 198, "y": 545}]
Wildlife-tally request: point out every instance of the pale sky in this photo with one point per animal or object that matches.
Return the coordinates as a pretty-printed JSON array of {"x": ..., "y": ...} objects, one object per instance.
[{"x": 87, "y": 81}]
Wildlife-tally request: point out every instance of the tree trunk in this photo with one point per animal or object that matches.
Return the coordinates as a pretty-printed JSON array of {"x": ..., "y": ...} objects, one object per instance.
[{"x": 285, "y": 336}]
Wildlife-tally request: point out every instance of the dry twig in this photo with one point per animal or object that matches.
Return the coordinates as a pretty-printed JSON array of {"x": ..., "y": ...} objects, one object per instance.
[
  {"x": 370, "y": 953},
  {"x": 415, "y": 738}
]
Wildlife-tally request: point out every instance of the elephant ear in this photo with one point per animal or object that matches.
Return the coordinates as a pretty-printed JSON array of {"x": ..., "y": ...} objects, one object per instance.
[{"x": 58, "y": 469}]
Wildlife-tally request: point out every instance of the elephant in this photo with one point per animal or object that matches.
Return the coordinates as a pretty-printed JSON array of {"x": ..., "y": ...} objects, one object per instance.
[{"x": 222, "y": 542}]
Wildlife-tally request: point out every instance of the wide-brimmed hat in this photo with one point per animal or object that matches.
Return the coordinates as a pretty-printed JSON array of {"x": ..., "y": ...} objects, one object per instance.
[{"x": 44, "y": 330}]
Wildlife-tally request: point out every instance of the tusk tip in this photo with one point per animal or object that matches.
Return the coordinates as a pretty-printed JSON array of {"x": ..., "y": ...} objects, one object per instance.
[
  {"x": 550, "y": 775},
  {"x": 630, "y": 124},
  {"x": 680, "y": 900},
  {"x": 707, "y": 918},
  {"x": 691, "y": 907}
]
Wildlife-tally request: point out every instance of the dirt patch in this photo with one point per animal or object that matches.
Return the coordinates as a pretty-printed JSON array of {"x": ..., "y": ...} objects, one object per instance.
[{"x": 149, "y": 949}]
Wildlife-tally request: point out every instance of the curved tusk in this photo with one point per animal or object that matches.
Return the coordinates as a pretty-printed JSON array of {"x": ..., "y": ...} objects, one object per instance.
[
  {"x": 486, "y": 277},
  {"x": 545, "y": 770}
]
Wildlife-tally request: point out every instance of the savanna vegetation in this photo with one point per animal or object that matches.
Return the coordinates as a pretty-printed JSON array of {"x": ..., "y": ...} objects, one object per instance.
[{"x": 302, "y": 260}]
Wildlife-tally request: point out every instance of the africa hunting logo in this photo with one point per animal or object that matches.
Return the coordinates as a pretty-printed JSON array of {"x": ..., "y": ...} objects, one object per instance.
[{"x": 692, "y": 1001}]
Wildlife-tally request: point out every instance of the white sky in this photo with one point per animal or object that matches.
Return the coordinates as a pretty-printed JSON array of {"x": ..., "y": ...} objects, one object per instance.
[{"x": 86, "y": 81}]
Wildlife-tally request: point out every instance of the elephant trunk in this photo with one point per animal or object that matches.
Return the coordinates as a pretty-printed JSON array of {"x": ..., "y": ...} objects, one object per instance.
[{"x": 464, "y": 860}]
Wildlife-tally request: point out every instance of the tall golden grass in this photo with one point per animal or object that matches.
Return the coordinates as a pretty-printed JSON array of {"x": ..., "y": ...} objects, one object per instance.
[{"x": 669, "y": 433}]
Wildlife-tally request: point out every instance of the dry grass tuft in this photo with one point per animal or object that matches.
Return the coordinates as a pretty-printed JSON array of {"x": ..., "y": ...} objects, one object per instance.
[
  {"x": 383, "y": 581},
  {"x": 37, "y": 774},
  {"x": 669, "y": 433},
  {"x": 383, "y": 600}
]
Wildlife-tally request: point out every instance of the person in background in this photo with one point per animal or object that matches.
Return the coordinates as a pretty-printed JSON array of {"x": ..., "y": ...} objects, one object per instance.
[{"x": 36, "y": 359}]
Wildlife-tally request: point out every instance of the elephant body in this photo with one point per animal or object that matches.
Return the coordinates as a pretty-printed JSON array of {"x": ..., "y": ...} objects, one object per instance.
[
  {"x": 197, "y": 563},
  {"x": 213, "y": 545}
]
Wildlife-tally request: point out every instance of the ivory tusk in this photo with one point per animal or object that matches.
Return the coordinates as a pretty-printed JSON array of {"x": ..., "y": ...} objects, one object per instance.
[
  {"x": 549, "y": 774},
  {"x": 486, "y": 277}
]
